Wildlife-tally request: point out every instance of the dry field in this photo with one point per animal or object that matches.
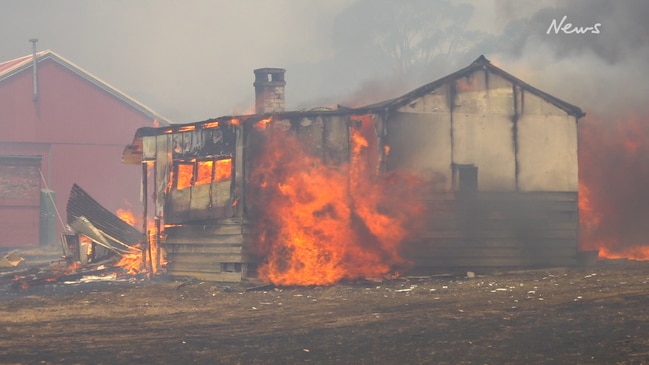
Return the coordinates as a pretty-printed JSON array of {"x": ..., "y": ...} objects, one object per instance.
[{"x": 588, "y": 315}]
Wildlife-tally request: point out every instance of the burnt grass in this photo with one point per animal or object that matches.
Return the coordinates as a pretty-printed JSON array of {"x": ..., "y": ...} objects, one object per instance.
[{"x": 586, "y": 315}]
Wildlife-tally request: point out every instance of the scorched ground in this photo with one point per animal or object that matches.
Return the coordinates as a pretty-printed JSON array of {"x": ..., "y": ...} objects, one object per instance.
[{"x": 589, "y": 315}]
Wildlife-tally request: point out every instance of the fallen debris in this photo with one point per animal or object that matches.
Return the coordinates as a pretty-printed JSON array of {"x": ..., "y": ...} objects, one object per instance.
[
  {"x": 11, "y": 260},
  {"x": 61, "y": 272},
  {"x": 261, "y": 287},
  {"x": 110, "y": 234}
]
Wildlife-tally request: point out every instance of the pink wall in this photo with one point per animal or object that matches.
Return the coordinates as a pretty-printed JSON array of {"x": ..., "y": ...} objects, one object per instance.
[{"x": 80, "y": 131}]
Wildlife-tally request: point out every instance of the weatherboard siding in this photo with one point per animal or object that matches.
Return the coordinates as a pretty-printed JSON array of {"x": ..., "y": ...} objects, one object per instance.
[{"x": 506, "y": 229}]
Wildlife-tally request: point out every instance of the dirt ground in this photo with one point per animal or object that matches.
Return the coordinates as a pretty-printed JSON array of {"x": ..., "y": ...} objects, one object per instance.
[{"x": 587, "y": 315}]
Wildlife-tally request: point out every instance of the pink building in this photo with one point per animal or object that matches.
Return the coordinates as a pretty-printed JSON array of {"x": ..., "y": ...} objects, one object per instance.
[{"x": 61, "y": 125}]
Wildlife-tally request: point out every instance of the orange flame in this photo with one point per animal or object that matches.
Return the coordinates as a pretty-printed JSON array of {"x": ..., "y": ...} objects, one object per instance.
[
  {"x": 204, "y": 175},
  {"x": 262, "y": 124},
  {"x": 185, "y": 176},
  {"x": 127, "y": 216},
  {"x": 132, "y": 261},
  {"x": 157, "y": 253},
  {"x": 223, "y": 170},
  {"x": 322, "y": 223},
  {"x": 213, "y": 124},
  {"x": 186, "y": 128},
  {"x": 204, "y": 172}
]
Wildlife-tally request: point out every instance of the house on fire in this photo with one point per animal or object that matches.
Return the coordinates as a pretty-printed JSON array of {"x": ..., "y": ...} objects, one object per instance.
[
  {"x": 500, "y": 155},
  {"x": 60, "y": 125}
]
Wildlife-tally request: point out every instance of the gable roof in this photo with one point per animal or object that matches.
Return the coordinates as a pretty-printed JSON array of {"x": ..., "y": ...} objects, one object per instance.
[
  {"x": 480, "y": 63},
  {"x": 133, "y": 152},
  {"x": 12, "y": 67}
]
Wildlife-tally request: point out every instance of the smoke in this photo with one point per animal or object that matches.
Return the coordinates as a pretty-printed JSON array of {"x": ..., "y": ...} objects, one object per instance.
[
  {"x": 189, "y": 60},
  {"x": 599, "y": 72},
  {"x": 623, "y": 31},
  {"x": 604, "y": 74},
  {"x": 193, "y": 60}
]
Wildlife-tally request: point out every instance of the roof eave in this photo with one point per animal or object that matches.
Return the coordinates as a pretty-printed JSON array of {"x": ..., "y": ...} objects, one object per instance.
[{"x": 48, "y": 54}]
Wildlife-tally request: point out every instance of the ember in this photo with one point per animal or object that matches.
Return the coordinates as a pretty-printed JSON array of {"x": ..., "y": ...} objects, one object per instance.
[{"x": 323, "y": 223}]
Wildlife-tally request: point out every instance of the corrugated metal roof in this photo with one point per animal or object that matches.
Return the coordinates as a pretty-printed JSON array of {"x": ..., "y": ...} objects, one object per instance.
[
  {"x": 117, "y": 232},
  {"x": 12, "y": 67}
]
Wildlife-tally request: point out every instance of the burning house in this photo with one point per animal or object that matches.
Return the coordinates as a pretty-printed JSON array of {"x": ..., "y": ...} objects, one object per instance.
[{"x": 476, "y": 169}]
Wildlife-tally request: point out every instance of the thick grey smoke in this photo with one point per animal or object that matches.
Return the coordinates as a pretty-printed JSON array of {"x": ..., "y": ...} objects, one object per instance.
[
  {"x": 605, "y": 74},
  {"x": 623, "y": 29},
  {"x": 600, "y": 72}
]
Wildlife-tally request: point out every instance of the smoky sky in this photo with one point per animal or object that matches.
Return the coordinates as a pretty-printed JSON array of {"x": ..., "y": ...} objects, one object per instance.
[
  {"x": 601, "y": 73},
  {"x": 193, "y": 60},
  {"x": 623, "y": 29}
]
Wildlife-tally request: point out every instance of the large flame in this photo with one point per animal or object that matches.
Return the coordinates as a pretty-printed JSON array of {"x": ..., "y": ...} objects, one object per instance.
[
  {"x": 613, "y": 191},
  {"x": 133, "y": 261},
  {"x": 322, "y": 223}
]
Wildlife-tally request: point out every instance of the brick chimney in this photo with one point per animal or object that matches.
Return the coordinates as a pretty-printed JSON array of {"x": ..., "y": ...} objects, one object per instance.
[{"x": 269, "y": 90}]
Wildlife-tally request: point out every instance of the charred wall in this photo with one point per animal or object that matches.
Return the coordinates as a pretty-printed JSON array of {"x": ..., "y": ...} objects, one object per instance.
[
  {"x": 498, "y": 229},
  {"x": 504, "y": 168}
]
